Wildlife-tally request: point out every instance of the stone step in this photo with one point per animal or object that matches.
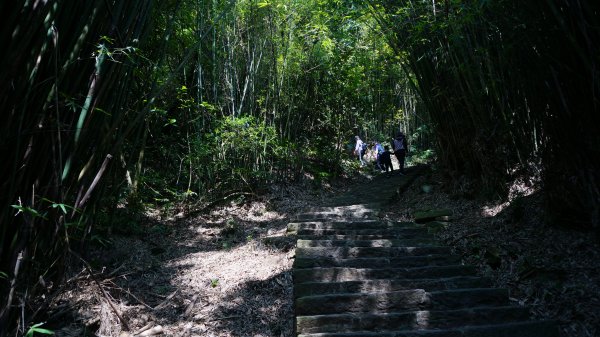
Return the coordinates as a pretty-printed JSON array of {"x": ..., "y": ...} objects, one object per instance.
[
  {"x": 353, "y": 201},
  {"x": 355, "y": 274},
  {"x": 517, "y": 329},
  {"x": 354, "y": 237},
  {"x": 401, "y": 231},
  {"x": 377, "y": 262},
  {"x": 419, "y": 320},
  {"x": 337, "y": 213},
  {"x": 365, "y": 243},
  {"x": 390, "y": 285},
  {"x": 357, "y": 207},
  {"x": 415, "y": 299},
  {"x": 353, "y": 225},
  {"x": 358, "y": 252}
]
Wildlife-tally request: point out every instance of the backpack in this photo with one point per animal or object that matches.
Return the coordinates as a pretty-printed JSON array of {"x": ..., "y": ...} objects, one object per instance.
[
  {"x": 399, "y": 143},
  {"x": 363, "y": 147}
]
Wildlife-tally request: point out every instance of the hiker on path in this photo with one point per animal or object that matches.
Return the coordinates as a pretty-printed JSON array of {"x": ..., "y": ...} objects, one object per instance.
[
  {"x": 400, "y": 146},
  {"x": 386, "y": 159},
  {"x": 378, "y": 151},
  {"x": 359, "y": 150}
]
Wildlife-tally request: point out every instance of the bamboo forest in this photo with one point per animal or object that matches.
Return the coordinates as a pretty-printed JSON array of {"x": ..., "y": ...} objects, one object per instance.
[{"x": 197, "y": 168}]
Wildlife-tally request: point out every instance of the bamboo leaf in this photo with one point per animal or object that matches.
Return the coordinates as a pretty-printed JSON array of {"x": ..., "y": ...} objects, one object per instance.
[
  {"x": 29, "y": 210},
  {"x": 36, "y": 329}
]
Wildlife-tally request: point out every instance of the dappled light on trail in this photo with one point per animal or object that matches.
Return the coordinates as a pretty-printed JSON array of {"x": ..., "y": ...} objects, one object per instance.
[
  {"x": 223, "y": 274},
  {"x": 371, "y": 275}
]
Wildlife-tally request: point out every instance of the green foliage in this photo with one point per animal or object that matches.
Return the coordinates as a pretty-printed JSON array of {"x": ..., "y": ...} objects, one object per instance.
[
  {"x": 194, "y": 101},
  {"x": 75, "y": 104},
  {"x": 421, "y": 157},
  {"x": 30, "y": 211},
  {"x": 230, "y": 228},
  {"x": 297, "y": 82},
  {"x": 36, "y": 329},
  {"x": 241, "y": 152},
  {"x": 63, "y": 207},
  {"x": 214, "y": 282},
  {"x": 497, "y": 112}
]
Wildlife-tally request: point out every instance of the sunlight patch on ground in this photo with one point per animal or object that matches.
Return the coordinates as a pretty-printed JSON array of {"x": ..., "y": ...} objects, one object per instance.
[
  {"x": 245, "y": 290},
  {"x": 256, "y": 211},
  {"x": 518, "y": 189},
  {"x": 226, "y": 270},
  {"x": 493, "y": 210}
]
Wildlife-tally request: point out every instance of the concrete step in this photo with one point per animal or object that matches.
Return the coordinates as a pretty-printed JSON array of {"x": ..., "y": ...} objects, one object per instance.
[
  {"x": 419, "y": 320},
  {"x": 397, "y": 301},
  {"x": 366, "y": 243},
  {"x": 357, "y": 207},
  {"x": 389, "y": 285},
  {"x": 349, "y": 211},
  {"x": 516, "y": 329},
  {"x": 355, "y": 274},
  {"x": 400, "y": 231},
  {"x": 341, "y": 235},
  {"x": 293, "y": 227},
  {"x": 336, "y": 214},
  {"x": 358, "y": 252},
  {"x": 377, "y": 262}
]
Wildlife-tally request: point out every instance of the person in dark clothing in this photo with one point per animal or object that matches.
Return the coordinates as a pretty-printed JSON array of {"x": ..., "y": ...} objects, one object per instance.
[
  {"x": 386, "y": 159},
  {"x": 400, "y": 145}
]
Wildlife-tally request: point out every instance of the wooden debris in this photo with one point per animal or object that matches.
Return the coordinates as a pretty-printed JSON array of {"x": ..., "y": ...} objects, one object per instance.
[{"x": 163, "y": 303}]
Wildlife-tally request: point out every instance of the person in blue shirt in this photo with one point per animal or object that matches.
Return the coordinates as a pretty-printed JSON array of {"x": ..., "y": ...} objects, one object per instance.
[{"x": 379, "y": 150}]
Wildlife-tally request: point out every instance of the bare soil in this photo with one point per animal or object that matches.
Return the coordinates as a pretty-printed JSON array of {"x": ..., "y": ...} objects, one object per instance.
[{"x": 228, "y": 272}]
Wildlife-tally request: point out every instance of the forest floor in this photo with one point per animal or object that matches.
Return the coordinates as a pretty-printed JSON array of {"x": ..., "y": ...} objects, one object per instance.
[{"x": 228, "y": 272}]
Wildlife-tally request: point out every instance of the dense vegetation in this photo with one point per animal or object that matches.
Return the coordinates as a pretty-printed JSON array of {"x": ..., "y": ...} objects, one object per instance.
[
  {"x": 511, "y": 88},
  {"x": 110, "y": 104}
]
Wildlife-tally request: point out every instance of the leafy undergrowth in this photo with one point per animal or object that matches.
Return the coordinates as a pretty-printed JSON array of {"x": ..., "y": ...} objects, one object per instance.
[
  {"x": 555, "y": 272},
  {"x": 227, "y": 273}
]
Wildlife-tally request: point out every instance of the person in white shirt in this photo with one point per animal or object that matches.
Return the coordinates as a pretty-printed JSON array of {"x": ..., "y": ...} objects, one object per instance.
[{"x": 359, "y": 150}]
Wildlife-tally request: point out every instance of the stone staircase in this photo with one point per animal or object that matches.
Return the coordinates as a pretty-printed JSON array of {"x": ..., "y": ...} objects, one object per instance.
[{"x": 356, "y": 275}]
